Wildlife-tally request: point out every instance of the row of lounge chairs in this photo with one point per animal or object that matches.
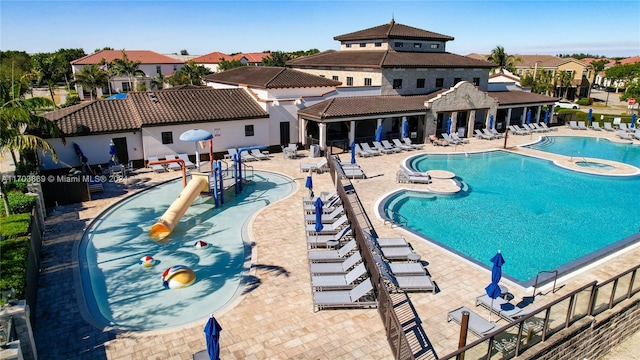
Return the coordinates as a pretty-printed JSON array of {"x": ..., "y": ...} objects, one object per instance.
[
  {"x": 247, "y": 155},
  {"x": 351, "y": 171},
  {"x": 628, "y": 136},
  {"x": 416, "y": 177},
  {"x": 488, "y": 134},
  {"x": 527, "y": 129},
  {"x": 158, "y": 168},
  {"x": 385, "y": 147}
]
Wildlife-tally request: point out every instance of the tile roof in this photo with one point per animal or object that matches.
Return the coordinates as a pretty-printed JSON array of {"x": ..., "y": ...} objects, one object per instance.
[
  {"x": 630, "y": 60},
  {"x": 520, "y": 97},
  {"x": 269, "y": 77},
  {"x": 212, "y": 58},
  {"x": 252, "y": 57},
  {"x": 99, "y": 116},
  {"x": 393, "y": 30},
  {"x": 188, "y": 105},
  {"x": 366, "y": 106},
  {"x": 388, "y": 59},
  {"x": 144, "y": 56}
]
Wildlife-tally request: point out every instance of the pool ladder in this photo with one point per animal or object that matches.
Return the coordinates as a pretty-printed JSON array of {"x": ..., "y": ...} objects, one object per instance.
[
  {"x": 555, "y": 278},
  {"x": 392, "y": 219},
  {"x": 579, "y": 153}
]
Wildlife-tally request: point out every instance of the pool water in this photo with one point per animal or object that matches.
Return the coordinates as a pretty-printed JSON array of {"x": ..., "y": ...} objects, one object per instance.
[
  {"x": 120, "y": 292},
  {"x": 541, "y": 216},
  {"x": 590, "y": 147}
]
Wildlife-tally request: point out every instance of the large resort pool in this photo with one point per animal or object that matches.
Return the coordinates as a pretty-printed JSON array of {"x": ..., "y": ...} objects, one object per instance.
[
  {"x": 541, "y": 216},
  {"x": 120, "y": 292}
]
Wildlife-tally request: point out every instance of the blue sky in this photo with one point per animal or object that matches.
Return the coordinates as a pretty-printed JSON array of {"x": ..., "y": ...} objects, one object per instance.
[{"x": 609, "y": 28}]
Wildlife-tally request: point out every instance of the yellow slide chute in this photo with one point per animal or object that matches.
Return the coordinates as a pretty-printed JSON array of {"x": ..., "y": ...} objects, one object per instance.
[{"x": 167, "y": 222}]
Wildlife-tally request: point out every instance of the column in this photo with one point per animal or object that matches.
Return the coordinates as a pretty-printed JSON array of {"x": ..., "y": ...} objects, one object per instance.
[
  {"x": 454, "y": 122},
  {"x": 352, "y": 132},
  {"x": 322, "y": 129},
  {"x": 538, "y": 114},
  {"x": 302, "y": 131},
  {"x": 472, "y": 123},
  {"x": 508, "y": 117},
  {"x": 523, "y": 116}
]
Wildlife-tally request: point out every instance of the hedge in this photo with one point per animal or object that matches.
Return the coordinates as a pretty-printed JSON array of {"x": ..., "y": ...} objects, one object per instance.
[{"x": 14, "y": 248}]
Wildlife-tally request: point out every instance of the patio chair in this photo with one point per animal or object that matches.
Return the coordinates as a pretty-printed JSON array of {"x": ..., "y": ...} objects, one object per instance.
[
  {"x": 482, "y": 135},
  {"x": 449, "y": 139},
  {"x": 382, "y": 149},
  {"x": 623, "y": 135},
  {"x": 477, "y": 324},
  {"x": 258, "y": 155},
  {"x": 246, "y": 156},
  {"x": 460, "y": 140},
  {"x": 405, "y": 175},
  {"x": 517, "y": 127},
  {"x": 400, "y": 269},
  {"x": 325, "y": 196},
  {"x": 341, "y": 281},
  {"x": 290, "y": 151},
  {"x": 187, "y": 163},
  {"x": 497, "y": 134},
  {"x": 360, "y": 152},
  {"x": 326, "y": 218},
  {"x": 408, "y": 142},
  {"x": 623, "y": 126},
  {"x": 353, "y": 173},
  {"x": 539, "y": 127},
  {"x": 517, "y": 131},
  {"x": 391, "y": 242},
  {"x": 366, "y": 148},
  {"x": 327, "y": 207},
  {"x": 336, "y": 268},
  {"x": 406, "y": 283},
  {"x": 636, "y": 134},
  {"x": 158, "y": 168},
  {"x": 501, "y": 307},
  {"x": 338, "y": 255},
  {"x": 607, "y": 126},
  {"x": 387, "y": 145},
  {"x": 438, "y": 142},
  {"x": 174, "y": 166},
  {"x": 582, "y": 125},
  {"x": 573, "y": 125},
  {"x": 356, "y": 297},
  {"x": 489, "y": 134},
  {"x": 314, "y": 241},
  {"x": 402, "y": 146},
  {"x": 595, "y": 126},
  {"x": 329, "y": 228},
  {"x": 319, "y": 167}
]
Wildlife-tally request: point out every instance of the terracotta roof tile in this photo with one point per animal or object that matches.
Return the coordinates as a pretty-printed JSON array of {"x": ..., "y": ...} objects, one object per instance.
[
  {"x": 393, "y": 30},
  {"x": 366, "y": 106},
  {"x": 212, "y": 58},
  {"x": 387, "y": 59},
  {"x": 520, "y": 97},
  {"x": 144, "y": 56},
  {"x": 270, "y": 77},
  {"x": 252, "y": 57},
  {"x": 100, "y": 116}
]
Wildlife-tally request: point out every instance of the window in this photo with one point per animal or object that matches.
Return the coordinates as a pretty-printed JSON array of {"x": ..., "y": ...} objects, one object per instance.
[
  {"x": 417, "y": 45},
  {"x": 335, "y": 78},
  {"x": 378, "y": 44},
  {"x": 398, "y": 44},
  {"x": 167, "y": 137},
  {"x": 175, "y": 67},
  {"x": 397, "y": 83},
  {"x": 456, "y": 80},
  {"x": 158, "y": 69},
  {"x": 440, "y": 82},
  {"x": 347, "y": 45},
  {"x": 476, "y": 81},
  {"x": 420, "y": 83},
  {"x": 321, "y": 76},
  {"x": 349, "y": 81},
  {"x": 248, "y": 130},
  {"x": 363, "y": 44},
  {"x": 367, "y": 81},
  {"x": 435, "y": 46},
  {"x": 125, "y": 86}
]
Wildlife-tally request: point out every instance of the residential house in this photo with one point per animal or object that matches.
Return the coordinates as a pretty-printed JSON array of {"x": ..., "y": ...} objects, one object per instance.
[
  {"x": 212, "y": 60},
  {"x": 151, "y": 64}
]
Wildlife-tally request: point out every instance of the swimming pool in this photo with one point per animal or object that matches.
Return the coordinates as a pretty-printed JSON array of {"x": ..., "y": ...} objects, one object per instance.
[
  {"x": 590, "y": 147},
  {"x": 119, "y": 292},
  {"x": 541, "y": 216}
]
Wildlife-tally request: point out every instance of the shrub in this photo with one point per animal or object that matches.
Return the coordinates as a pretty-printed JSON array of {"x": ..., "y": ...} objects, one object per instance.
[
  {"x": 13, "y": 263},
  {"x": 20, "y": 202},
  {"x": 584, "y": 101},
  {"x": 16, "y": 186},
  {"x": 14, "y": 225}
]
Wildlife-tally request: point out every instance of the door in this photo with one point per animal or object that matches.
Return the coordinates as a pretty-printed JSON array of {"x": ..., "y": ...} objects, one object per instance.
[
  {"x": 285, "y": 133},
  {"x": 121, "y": 148}
]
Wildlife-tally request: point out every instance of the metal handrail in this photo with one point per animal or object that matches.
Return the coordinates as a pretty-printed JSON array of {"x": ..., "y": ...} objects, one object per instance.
[
  {"x": 555, "y": 279},
  {"x": 577, "y": 152},
  {"x": 403, "y": 220}
]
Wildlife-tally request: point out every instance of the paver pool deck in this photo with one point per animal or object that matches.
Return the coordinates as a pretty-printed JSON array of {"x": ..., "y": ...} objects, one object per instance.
[{"x": 274, "y": 318}]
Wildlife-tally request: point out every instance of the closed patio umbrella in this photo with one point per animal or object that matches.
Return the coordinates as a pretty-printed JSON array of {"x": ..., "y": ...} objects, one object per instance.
[
  {"x": 114, "y": 153},
  {"x": 309, "y": 184},
  {"x": 590, "y": 116},
  {"x": 528, "y": 117},
  {"x": 353, "y": 152},
  {"x": 318, "y": 205},
  {"x": 491, "y": 121},
  {"x": 449, "y": 126},
  {"x": 405, "y": 128},
  {"x": 493, "y": 289},
  {"x": 379, "y": 133},
  {"x": 212, "y": 336},
  {"x": 633, "y": 120},
  {"x": 546, "y": 116}
]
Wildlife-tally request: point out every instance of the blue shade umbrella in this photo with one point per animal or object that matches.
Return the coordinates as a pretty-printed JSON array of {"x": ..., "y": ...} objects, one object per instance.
[
  {"x": 546, "y": 116},
  {"x": 633, "y": 120},
  {"x": 309, "y": 183},
  {"x": 529, "y": 117},
  {"x": 491, "y": 121},
  {"x": 405, "y": 129},
  {"x": 195, "y": 135},
  {"x": 318, "y": 205},
  {"x": 379, "y": 133},
  {"x": 212, "y": 336},
  {"x": 113, "y": 152},
  {"x": 117, "y": 96},
  {"x": 590, "y": 115},
  {"x": 493, "y": 289},
  {"x": 353, "y": 152},
  {"x": 449, "y": 126}
]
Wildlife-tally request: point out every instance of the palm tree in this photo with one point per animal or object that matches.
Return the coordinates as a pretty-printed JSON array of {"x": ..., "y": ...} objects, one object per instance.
[
  {"x": 48, "y": 69},
  {"x": 158, "y": 82},
  {"x": 91, "y": 78},
  {"x": 17, "y": 115},
  {"x": 564, "y": 79},
  {"x": 126, "y": 67},
  {"x": 502, "y": 60}
]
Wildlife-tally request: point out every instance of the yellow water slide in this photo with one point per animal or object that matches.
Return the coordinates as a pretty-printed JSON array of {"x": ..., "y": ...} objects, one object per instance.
[{"x": 167, "y": 222}]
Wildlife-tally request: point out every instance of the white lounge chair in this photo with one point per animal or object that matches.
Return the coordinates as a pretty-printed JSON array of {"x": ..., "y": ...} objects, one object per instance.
[
  {"x": 336, "y": 268},
  {"x": 326, "y": 218},
  {"x": 461, "y": 140},
  {"x": 382, "y": 149},
  {"x": 405, "y": 175},
  {"x": 412, "y": 282},
  {"x": 258, "y": 155},
  {"x": 623, "y": 135},
  {"x": 360, "y": 152},
  {"x": 325, "y": 196},
  {"x": 319, "y": 167},
  {"x": 636, "y": 134},
  {"x": 595, "y": 126},
  {"x": 495, "y": 133},
  {"x": 477, "y": 324},
  {"x": 353, "y": 173},
  {"x": 333, "y": 255},
  {"x": 544, "y": 125},
  {"x": 501, "y": 307},
  {"x": 356, "y": 297},
  {"x": 482, "y": 135},
  {"x": 573, "y": 125},
  {"x": 582, "y": 125},
  {"x": 327, "y": 207},
  {"x": 329, "y": 228},
  {"x": 340, "y": 281},
  {"x": 157, "y": 167},
  {"x": 314, "y": 241},
  {"x": 539, "y": 127},
  {"x": 449, "y": 139},
  {"x": 245, "y": 155},
  {"x": 489, "y": 133},
  {"x": 174, "y": 166},
  {"x": 623, "y": 126},
  {"x": 517, "y": 127},
  {"x": 187, "y": 162},
  {"x": 387, "y": 145},
  {"x": 400, "y": 145},
  {"x": 290, "y": 151},
  {"x": 516, "y": 130},
  {"x": 607, "y": 126},
  {"x": 408, "y": 142},
  {"x": 366, "y": 148}
]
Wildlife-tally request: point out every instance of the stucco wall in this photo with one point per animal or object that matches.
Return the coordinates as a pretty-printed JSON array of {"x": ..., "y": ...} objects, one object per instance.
[
  {"x": 94, "y": 147},
  {"x": 409, "y": 76}
]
